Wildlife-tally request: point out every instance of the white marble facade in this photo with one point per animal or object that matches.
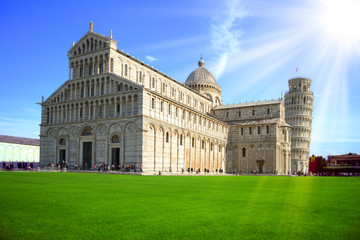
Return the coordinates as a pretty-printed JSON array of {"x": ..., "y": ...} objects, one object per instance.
[{"x": 116, "y": 110}]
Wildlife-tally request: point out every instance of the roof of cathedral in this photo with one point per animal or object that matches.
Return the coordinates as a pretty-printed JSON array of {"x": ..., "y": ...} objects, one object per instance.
[
  {"x": 258, "y": 122},
  {"x": 20, "y": 140},
  {"x": 249, "y": 104},
  {"x": 200, "y": 76}
]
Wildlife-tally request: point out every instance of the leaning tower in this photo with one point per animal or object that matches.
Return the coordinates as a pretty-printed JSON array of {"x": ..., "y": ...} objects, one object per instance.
[{"x": 298, "y": 113}]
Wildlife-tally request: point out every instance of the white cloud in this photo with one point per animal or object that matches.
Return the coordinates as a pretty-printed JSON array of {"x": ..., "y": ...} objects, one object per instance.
[
  {"x": 226, "y": 33},
  {"x": 151, "y": 58}
]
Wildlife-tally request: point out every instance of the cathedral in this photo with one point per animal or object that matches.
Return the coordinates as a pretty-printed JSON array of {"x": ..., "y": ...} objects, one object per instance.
[{"x": 116, "y": 110}]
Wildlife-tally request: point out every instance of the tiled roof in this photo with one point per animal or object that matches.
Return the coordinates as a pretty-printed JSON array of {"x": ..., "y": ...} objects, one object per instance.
[
  {"x": 254, "y": 122},
  {"x": 20, "y": 140},
  {"x": 258, "y": 122},
  {"x": 250, "y": 104}
]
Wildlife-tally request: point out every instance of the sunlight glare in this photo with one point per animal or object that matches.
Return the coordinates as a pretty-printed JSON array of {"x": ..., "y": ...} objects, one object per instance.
[{"x": 340, "y": 20}]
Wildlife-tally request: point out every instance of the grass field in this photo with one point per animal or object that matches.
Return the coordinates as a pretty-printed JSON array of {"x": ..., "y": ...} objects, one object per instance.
[{"x": 38, "y": 205}]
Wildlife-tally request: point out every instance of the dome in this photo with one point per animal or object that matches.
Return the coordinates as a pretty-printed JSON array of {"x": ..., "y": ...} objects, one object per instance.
[{"x": 200, "y": 76}]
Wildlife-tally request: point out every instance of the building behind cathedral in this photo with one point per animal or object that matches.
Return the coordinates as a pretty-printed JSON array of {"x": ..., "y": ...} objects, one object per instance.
[{"x": 116, "y": 110}]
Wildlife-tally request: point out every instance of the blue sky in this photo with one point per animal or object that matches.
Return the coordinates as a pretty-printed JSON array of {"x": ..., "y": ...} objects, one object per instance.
[{"x": 251, "y": 47}]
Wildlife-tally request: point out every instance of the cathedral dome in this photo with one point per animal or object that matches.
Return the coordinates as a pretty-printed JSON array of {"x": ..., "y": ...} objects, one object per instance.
[{"x": 200, "y": 76}]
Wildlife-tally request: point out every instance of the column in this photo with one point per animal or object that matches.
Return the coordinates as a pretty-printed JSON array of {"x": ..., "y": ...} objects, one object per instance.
[
  {"x": 120, "y": 102},
  {"x": 94, "y": 111},
  {"x": 104, "y": 109},
  {"x": 89, "y": 108},
  {"x": 95, "y": 88},
  {"x": 170, "y": 136},
  {"x": 115, "y": 108},
  {"x": 132, "y": 106},
  {"x": 79, "y": 112},
  {"x": 69, "y": 72},
  {"x": 105, "y": 86},
  {"x": 66, "y": 115},
  {"x": 61, "y": 115},
  {"x": 70, "y": 109}
]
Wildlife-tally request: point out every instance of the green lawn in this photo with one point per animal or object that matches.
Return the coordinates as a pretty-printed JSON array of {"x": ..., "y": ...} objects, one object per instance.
[{"x": 39, "y": 205}]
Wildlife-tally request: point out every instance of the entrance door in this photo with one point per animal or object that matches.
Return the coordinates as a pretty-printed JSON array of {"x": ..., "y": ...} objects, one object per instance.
[
  {"x": 62, "y": 158},
  {"x": 115, "y": 157},
  {"x": 87, "y": 155},
  {"x": 261, "y": 167}
]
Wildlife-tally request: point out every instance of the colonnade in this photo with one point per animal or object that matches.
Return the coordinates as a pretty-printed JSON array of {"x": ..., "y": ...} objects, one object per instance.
[
  {"x": 119, "y": 106},
  {"x": 177, "y": 150},
  {"x": 173, "y": 113},
  {"x": 91, "y": 88},
  {"x": 89, "y": 66}
]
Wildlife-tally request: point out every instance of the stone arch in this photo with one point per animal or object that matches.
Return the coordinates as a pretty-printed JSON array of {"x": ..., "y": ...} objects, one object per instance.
[
  {"x": 130, "y": 143},
  {"x": 86, "y": 130},
  {"x": 151, "y": 139},
  {"x": 51, "y": 132},
  {"x": 114, "y": 127}
]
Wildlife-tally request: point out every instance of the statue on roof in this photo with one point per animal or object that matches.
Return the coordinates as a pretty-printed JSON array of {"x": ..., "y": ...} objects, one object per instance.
[{"x": 91, "y": 25}]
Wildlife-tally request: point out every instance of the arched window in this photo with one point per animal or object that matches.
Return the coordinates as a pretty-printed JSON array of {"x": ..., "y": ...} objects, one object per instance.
[
  {"x": 126, "y": 70},
  {"x": 86, "y": 131},
  {"x": 153, "y": 103},
  {"x": 244, "y": 152},
  {"x": 115, "y": 139},
  {"x": 140, "y": 77},
  {"x": 101, "y": 67},
  {"x": 62, "y": 142},
  {"x": 193, "y": 142},
  {"x": 202, "y": 144},
  {"x": 181, "y": 139},
  {"x": 153, "y": 83},
  {"x": 167, "y": 137}
]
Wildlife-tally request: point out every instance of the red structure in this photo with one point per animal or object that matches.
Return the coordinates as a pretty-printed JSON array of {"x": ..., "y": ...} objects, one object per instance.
[{"x": 316, "y": 164}]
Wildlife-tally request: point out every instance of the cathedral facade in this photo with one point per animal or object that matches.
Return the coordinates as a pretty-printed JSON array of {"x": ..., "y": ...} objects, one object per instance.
[{"x": 116, "y": 110}]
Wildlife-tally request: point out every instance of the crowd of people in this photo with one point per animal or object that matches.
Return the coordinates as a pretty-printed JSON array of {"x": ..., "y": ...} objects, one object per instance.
[
  {"x": 191, "y": 170},
  {"x": 12, "y": 166}
]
